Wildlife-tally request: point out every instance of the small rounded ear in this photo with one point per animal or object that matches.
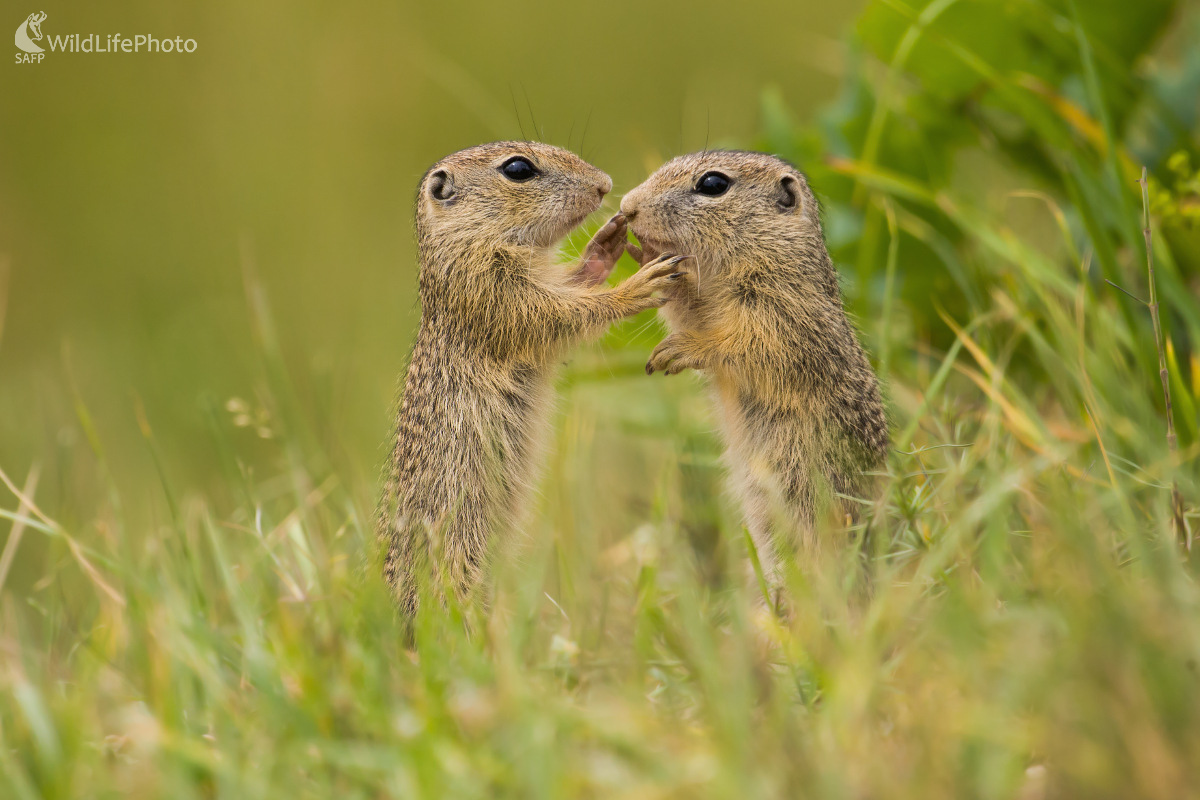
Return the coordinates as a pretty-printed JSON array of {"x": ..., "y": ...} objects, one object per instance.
[
  {"x": 787, "y": 194},
  {"x": 440, "y": 186}
]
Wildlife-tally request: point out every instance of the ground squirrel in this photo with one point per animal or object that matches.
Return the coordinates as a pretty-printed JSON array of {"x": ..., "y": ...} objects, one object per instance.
[
  {"x": 798, "y": 402},
  {"x": 496, "y": 315}
]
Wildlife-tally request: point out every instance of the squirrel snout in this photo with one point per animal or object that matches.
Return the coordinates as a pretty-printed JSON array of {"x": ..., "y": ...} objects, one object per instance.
[
  {"x": 629, "y": 204},
  {"x": 605, "y": 185}
]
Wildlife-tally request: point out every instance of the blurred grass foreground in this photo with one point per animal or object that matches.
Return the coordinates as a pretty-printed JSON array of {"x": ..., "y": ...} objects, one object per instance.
[{"x": 1028, "y": 621}]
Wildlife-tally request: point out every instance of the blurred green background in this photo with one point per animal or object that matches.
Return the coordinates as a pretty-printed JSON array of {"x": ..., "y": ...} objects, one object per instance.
[
  {"x": 133, "y": 188},
  {"x": 207, "y": 286}
]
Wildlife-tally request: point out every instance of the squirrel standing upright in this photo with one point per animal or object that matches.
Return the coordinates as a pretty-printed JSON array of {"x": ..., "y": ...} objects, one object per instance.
[
  {"x": 798, "y": 402},
  {"x": 496, "y": 315}
]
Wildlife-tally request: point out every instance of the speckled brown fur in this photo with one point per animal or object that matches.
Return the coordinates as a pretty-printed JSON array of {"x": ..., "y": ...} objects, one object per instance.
[
  {"x": 496, "y": 316},
  {"x": 798, "y": 402}
]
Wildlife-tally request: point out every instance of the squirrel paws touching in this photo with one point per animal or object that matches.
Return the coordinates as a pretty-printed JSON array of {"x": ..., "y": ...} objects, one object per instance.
[
  {"x": 673, "y": 355},
  {"x": 602, "y": 251},
  {"x": 662, "y": 275}
]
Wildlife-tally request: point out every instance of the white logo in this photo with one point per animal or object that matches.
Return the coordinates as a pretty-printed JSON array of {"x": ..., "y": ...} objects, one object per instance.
[{"x": 30, "y": 32}]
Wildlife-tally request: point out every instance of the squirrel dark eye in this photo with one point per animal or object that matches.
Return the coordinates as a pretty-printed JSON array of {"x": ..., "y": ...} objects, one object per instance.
[
  {"x": 713, "y": 184},
  {"x": 518, "y": 169}
]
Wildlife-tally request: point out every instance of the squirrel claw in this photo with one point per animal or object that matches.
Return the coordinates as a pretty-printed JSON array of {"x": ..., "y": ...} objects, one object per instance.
[
  {"x": 603, "y": 251},
  {"x": 672, "y": 356}
]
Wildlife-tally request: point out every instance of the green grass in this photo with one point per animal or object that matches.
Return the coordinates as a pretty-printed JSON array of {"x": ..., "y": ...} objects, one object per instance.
[
  {"x": 1027, "y": 623},
  {"x": 1028, "y": 607}
]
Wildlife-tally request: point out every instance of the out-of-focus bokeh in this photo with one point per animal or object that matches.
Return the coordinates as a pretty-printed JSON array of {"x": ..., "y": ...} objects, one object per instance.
[
  {"x": 207, "y": 275},
  {"x": 135, "y": 188}
]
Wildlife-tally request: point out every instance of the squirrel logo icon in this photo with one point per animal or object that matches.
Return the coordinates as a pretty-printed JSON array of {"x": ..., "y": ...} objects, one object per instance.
[{"x": 30, "y": 32}]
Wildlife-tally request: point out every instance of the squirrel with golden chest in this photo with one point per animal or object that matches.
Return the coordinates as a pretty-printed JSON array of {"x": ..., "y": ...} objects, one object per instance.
[
  {"x": 798, "y": 402},
  {"x": 497, "y": 314}
]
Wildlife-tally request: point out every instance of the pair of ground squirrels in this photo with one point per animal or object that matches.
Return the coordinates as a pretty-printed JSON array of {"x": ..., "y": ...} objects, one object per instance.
[
  {"x": 798, "y": 403},
  {"x": 497, "y": 315},
  {"x": 761, "y": 316}
]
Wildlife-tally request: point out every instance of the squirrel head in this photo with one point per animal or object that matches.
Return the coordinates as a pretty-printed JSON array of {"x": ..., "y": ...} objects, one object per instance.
[
  {"x": 522, "y": 194},
  {"x": 727, "y": 207}
]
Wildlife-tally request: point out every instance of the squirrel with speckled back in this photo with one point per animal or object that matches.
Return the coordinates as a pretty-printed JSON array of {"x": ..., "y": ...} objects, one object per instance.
[
  {"x": 496, "y": 316},
  {"x": 798, "y": 402}
]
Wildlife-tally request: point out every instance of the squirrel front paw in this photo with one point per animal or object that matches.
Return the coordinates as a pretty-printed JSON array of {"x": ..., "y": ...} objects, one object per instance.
[
  {"x": 673, "y": 355},
  {"x": 662, "y": 275},
  {"x": 603, "y": 251}
]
